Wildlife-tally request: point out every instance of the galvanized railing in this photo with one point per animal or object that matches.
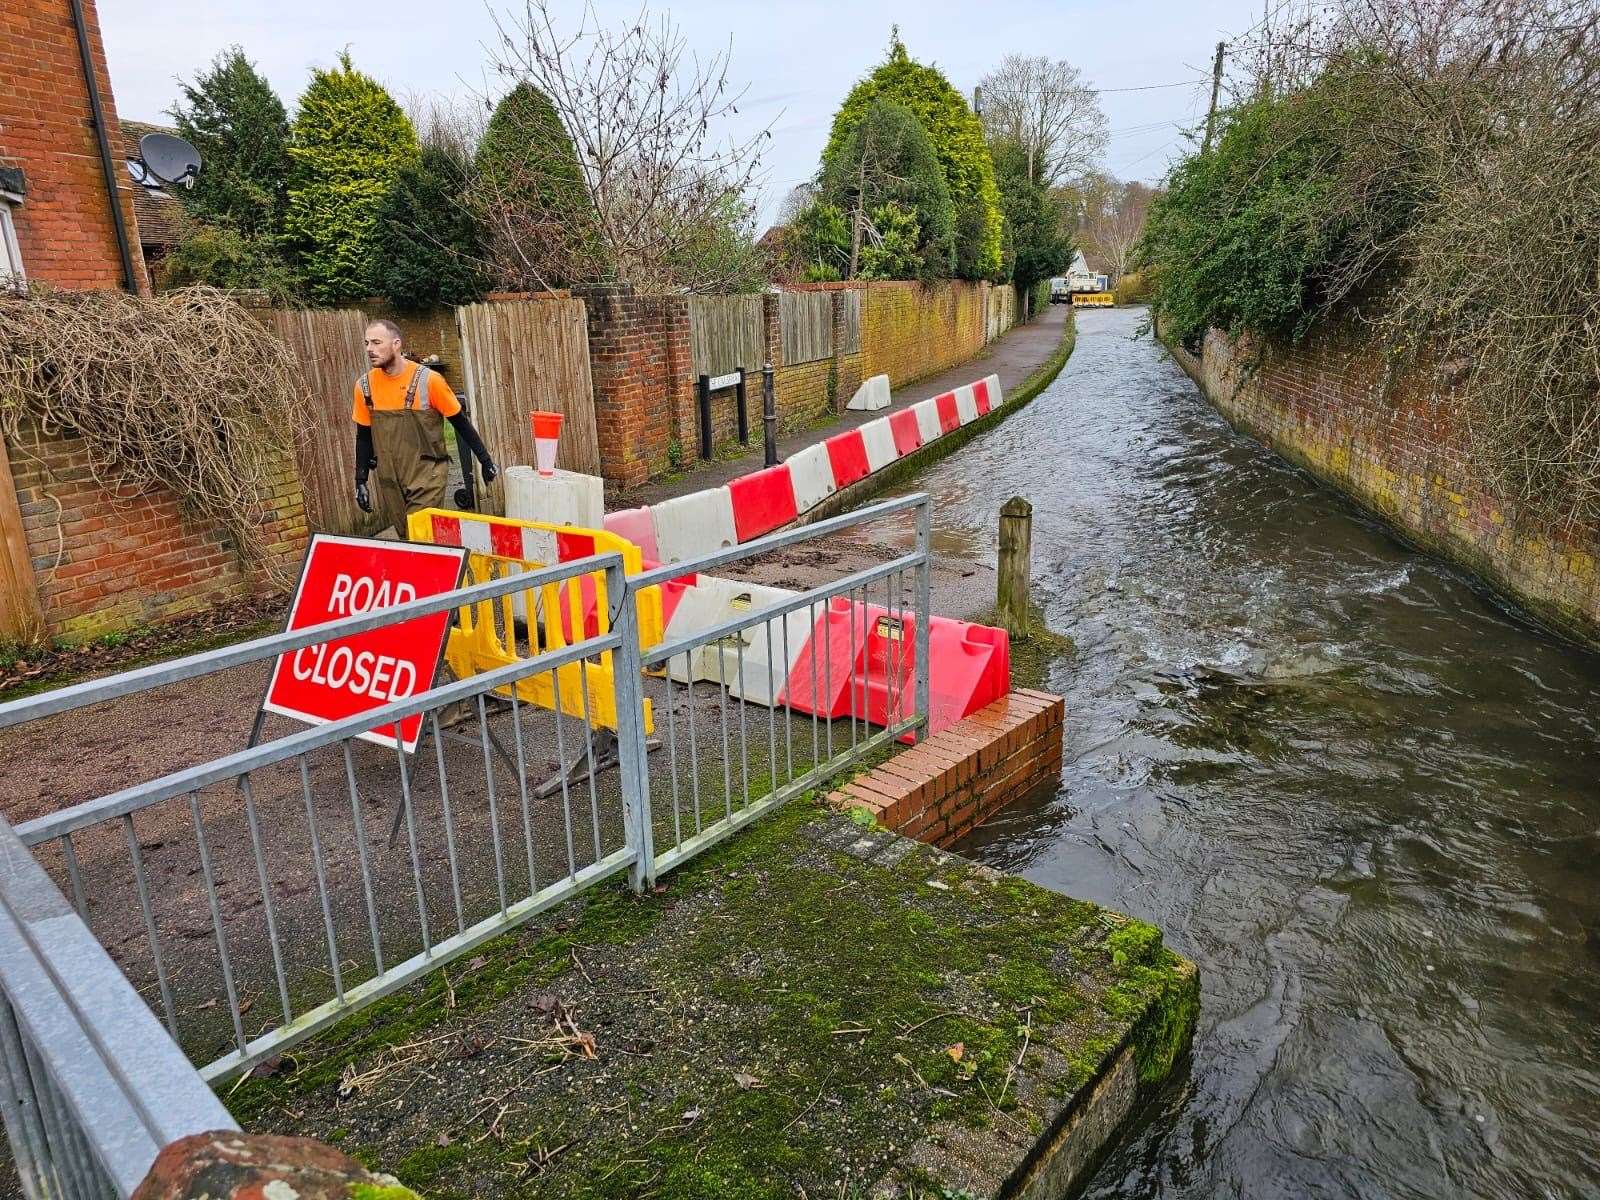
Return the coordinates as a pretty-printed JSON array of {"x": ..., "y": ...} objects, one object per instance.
[{"x": 252, "y": 901}]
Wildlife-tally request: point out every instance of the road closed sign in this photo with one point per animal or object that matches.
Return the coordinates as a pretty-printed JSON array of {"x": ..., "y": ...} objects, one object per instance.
[{"x": 348, "y": 577}]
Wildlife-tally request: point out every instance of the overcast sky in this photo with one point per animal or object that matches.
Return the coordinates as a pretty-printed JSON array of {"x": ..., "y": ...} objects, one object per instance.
[{"x": 798, "y": 59}]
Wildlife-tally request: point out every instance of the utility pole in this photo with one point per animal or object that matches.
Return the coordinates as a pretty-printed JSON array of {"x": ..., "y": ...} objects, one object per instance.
[{"x": 1216, "y": 86}]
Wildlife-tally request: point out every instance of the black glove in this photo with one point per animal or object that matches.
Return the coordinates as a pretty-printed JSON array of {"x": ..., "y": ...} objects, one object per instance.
[
  {"x": 490, "y": 472},
  {"x": 363, "y": 498}
]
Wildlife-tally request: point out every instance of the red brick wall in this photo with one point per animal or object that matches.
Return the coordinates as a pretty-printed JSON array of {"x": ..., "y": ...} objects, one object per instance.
[
  {"x": 943, "y": 788},
  {"x": 913, "y": 330},
  {"x": 1402, "y": 451},
  {"x": 64, "y": 225},
  {"x": 643, "y": 390},
  {"x": 107, "y": 559}
]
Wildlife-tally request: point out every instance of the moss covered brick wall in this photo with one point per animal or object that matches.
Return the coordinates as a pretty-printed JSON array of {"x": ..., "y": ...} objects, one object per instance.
[
  {"x": 912, "y": 330},
  {"x": 1400, "y": 449}
]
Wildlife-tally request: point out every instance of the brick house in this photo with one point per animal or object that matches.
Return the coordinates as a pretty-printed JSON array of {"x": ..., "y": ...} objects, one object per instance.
[
  {"x": 57, "y": 171},
  {"x": 159, "y": 213}
]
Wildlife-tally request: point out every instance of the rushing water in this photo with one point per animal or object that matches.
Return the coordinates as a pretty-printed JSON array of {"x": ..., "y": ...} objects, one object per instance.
[{"x": 1359, "y": 795}]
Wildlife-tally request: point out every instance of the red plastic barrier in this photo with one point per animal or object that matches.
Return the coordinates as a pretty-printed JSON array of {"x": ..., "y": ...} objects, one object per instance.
[
  {"x": 847, "y": 455},
  {"x": 907, "y": 437},
  {"x": 949, "y": 415},
  {"x": 873, "y": 675},
  {"x": 980, "y": 396},
  {"x": 637, "y": 525},
  {"x": 762, "y": 501}
]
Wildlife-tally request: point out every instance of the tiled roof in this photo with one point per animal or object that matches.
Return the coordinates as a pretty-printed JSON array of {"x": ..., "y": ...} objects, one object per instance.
[{"x": 160, "y": 215}]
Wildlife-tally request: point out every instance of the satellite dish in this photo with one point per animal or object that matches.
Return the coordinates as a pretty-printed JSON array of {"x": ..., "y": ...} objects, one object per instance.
[{"x": 169, "y": 159}]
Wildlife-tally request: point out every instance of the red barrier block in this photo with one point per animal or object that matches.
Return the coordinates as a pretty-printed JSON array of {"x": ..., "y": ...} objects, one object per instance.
[
  {"x": 971, "y": 667},
  {"x": 847, "y": 455},
  {"x": 637, "y": 526},
  {"x": 907, "y": 437},
  {"x": 949, "y": 415},
  {"x": 762, "y": 501},
  {"x": 980, "y": 395},
  {"x": 821, "y": 676}
]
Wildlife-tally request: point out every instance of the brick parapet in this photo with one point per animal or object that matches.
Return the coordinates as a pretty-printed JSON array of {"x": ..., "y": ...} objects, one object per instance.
[{"x": 947, "y": 785}]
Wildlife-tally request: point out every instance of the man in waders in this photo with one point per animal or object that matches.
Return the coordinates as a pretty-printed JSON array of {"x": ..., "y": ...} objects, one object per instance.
[{"x": 400, "y": 411}]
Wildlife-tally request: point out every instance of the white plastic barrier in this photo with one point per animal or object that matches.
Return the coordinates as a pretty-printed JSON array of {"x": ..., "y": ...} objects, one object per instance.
[
  {"x": 638, "y": 526},
  {"x": 565, "y": 498},
  {"x": 812, "y": 474},
  {"x": 765, "y": 667},
  {"x": 966, "y": 404},
  {"x": 995, "y": 398},
  {"x": 927, "y": 420},
  {"x": 879, "y": 439},
  {"x": 696, "y": 524},
  {"x": 872, "y": 395}
]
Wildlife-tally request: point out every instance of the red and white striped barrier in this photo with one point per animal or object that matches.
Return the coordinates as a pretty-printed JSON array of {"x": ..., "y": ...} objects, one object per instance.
[
  {"x": 813, "y": 476},
  {"x": 879, "y": 439},
  {"x": 762, "y": 501},
  {"x": 847, "y": 455},
  {"x": 944, "y": 404},
  {"x": 966, "y": 404},
  {"x": 638, "y": 526},
  {"x": 907, "y": 431},
  {"x": 692, "y": 525},
  {"x": 987, "y": 393},
  {"x": 927, "y": 415}
]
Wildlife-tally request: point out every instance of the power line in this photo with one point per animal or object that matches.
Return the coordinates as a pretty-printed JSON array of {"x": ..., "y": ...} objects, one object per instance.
[{"x": 1151, "y": 87}]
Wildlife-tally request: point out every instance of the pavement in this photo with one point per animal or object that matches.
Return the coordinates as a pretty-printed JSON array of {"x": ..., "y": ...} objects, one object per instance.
[{"x": 1013, "y": 356}]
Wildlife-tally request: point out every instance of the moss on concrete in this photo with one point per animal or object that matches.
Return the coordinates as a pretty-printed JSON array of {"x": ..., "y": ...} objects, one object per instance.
[{"x": 796, "y": 1009}]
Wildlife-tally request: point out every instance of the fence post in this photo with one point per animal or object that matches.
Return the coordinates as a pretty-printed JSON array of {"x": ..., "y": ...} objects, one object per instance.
[
  {"x": 1011, "y": 579},
  {"x": 632, "y": 753},
  {"x": 924, "y": 608},
  {"x": 703, "y": 389},
  {"x": 769, "y": 417}
]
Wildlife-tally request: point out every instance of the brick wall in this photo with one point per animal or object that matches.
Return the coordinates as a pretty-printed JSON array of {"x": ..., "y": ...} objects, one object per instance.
[
  {"x": 911, "y": 330},
  {"x": 107, "y": 559},
  {"x": 64, "y": 225},
  {"x": 942, "y": 789},
  {"x": 1402, "y": 452},
  {"x": 806, "y": 392}
]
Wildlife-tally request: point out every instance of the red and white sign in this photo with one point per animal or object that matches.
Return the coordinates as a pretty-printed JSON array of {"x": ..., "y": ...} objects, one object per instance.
[{"x": 346, "y": 577}]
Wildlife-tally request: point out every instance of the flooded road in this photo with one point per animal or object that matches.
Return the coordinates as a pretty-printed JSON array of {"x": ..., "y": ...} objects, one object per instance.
[{"x": 1361, "y": 797}]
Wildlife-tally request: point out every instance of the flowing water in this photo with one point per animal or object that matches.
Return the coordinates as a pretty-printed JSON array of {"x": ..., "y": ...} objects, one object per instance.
[{"x": 1358, "y": 794}]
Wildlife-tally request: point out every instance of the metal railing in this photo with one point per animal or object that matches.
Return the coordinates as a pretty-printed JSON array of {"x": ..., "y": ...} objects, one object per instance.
[{"x": 251, "y": 902}]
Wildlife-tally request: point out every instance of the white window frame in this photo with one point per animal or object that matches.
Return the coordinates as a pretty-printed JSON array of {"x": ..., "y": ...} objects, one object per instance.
[{"x": 11, "y": 267}]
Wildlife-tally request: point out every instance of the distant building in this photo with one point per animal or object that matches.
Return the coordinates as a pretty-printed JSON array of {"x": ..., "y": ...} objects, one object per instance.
[
  {"x": 57, "y": 173},
  {"x": 159, "y": 212}
]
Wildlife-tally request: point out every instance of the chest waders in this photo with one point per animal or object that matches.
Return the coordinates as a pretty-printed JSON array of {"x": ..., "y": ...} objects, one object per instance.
[{"x": 413, "y": 466}]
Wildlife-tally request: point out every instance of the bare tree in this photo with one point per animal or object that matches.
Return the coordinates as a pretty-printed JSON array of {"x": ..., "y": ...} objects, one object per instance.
[
  {"x": 669, "y": 199},
  {"x": 1112, "y": 216},
  {"x": 1050, "y": 110}
]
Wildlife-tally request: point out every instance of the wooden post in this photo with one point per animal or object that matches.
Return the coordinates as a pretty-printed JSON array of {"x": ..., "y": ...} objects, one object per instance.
[
  {"x": 21, "y": 618},
  {"x": 1016, "y": 548}
]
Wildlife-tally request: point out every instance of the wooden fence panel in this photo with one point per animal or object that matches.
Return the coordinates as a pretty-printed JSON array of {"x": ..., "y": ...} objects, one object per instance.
[
  {"x": 522, "y": 355},
  {"x": 805, "y": 325},
  {"x": 328, "y": 344},
  {"x": 726, "y": 332},
  {"x": 852, "y": 323},
  {"x": 21, "y": 618}
]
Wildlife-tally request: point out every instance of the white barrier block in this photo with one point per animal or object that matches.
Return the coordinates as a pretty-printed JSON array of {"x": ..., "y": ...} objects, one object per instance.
[
  {"x": 872, "y": 395},
  {"x": 565, "y": 498},
  {"x": 995, "y": 398},
  {"x": 692, "y": 525},
  {"x": 879, "y": 439},
  {"x": 966, "y": 404},
  {"x": 927, "y": 420},
  {"x": 764, "y": 669},
  {"x": 812, "y": 474}
]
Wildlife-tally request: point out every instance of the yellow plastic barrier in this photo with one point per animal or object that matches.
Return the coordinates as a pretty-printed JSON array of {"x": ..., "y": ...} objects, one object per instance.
[
  {"x": 1093, "y": 299},
  {"x": 490, "y": 633}
]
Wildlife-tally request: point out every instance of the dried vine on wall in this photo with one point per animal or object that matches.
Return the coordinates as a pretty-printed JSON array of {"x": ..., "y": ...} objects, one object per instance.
[{"x": 184, "y": 391}]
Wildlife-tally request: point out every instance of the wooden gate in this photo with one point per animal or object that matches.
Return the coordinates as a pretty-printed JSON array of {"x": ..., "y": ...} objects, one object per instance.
[
  {"x": 517, "y": 356},
  {"x": 328, "y": 343}
]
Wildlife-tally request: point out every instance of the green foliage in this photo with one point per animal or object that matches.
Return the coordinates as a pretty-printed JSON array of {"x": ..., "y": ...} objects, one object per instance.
[
  {"x": 1035, "y": 222},
  {"x": 1245, "y": 237},
  {"x": 889, "y": 160},
  {"x": 221, "y": 256},
  {"x": 529, "y": 194},
  {"x": 718, "y": 244},
  {"x": 347, "y": 146},
  {"x": 957, "y": 138},
  {"x": 896, "y": 251},
  {"x": 233, "y": 117},
  {"x": 820, "y": 238},
  {"x": 427, "y": 247}
]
